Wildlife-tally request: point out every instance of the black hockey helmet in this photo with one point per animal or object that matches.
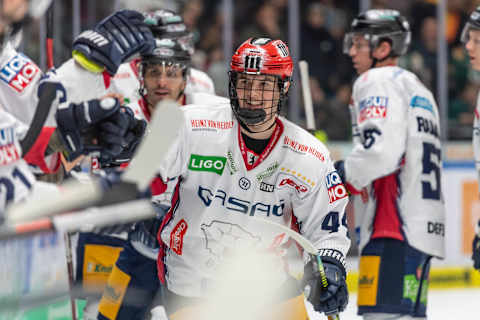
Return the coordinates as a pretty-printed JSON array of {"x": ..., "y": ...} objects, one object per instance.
[
  {"x": 378, "y": 25},
  {"x": 168, "y": 53},
  {"x": 473, "y": 23},
  {"x": 167, "y": 24}
]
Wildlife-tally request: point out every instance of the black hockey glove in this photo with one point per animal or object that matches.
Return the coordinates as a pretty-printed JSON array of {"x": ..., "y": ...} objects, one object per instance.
[
  {"x": 333, "y": 298},
  {"x": 340, "y": 167},
  {"x": 132, "y": 139},
  {"x": 113, "y": 40},
  {"x": 95, "y": 126},
  {"x": 476, "y": 252}
]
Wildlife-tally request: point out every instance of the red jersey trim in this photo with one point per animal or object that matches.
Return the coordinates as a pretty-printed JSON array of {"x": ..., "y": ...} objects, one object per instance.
[
  {"x": 107, "y": 79},
  {"x": 271, "y": 144},
  {"x": 161, "y": 268},
  {"x": 36, "y": 155},
  {"x": 387, "y": 222}
]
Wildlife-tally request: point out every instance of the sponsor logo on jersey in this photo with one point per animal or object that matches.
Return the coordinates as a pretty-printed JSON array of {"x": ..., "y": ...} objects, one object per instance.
[
  {"x": 244, "y": 183},
  {"x": 293, "y": 182},
  {"x": 266, "y": 187},
  {"x": 232, "y": 167},
  {"x": 207, "y": 163},
  {"x": 111, "y": 293},
  {"x": 206, "y": 124},
  {"x": 335, "y": 187},
  {"x": 421, "y": 102},
  {"x": 99, "y": 268},
  {"x": 301, "y": 148},
  {"x": 374, "y": 107},
  {"x": 8, "y": 150},
  {"x": 297, "y": 175},
  {"x": 18, "y": 72},
  {"x": 176, "y": 237},
  {"x": 437, "y": 228},
  {"x": 236, "y": 204},
  {"x": 427, "y": 126},
  {"x": 267, "y": 172}
]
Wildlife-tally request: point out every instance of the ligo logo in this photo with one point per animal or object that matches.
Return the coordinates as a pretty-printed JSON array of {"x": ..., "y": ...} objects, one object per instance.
[
  {"x": 336, "y": 189},
  {"x": 18, "y": 72},
  {"x": 207, "y": 163}
]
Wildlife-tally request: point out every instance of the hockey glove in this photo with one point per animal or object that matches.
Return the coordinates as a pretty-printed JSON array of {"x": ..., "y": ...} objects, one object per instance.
[
  {"x": 476, "y": 252},
  {"x": 132, "y": 138},
  {"x": 332, "y": 298},
  {"x": 92, "y": 126},
  {"x": 340, "y": 167},
  {"x": 113, "y": 41}
]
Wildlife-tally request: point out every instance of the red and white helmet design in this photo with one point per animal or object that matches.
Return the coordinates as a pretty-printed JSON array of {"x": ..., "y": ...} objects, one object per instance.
[{"x": 263, "y": 56}]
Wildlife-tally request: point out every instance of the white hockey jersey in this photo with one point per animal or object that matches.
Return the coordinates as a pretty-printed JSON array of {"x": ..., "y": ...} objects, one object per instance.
[
  {"x": 221, "y": 185},
  {"x": 20, "y": 78},
  {"x": 396, "y": 160},
  {"x": 16, "y": 178}
]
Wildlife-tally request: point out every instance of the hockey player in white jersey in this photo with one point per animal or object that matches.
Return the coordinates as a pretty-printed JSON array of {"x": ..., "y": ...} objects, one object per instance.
[
  {"x": 39, "y": 139},
  {"x": 394, "y": 168},
  {"x": 471, "y": 40},
  {"x": 162, "y": 74},
  {"x": 239, "y": 160}
]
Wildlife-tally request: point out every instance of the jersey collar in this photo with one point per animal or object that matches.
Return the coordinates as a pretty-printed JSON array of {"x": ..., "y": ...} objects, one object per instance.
[{"x": 268, "y": 149}]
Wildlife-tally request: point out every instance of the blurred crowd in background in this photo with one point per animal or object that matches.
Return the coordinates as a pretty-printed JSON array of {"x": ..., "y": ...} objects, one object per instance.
[{"x": 323, "y": 25}]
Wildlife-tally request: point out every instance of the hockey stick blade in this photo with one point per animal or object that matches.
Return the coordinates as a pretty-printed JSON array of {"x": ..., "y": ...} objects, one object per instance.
[
  {"x": 161, "y": 132},
  {"x": 307, "y": 245},
  {"x": 307, "y": 95}
]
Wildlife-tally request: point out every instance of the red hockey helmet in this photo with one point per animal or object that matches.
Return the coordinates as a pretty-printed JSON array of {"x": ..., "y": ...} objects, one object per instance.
[
  {"x": 263, "y": 56},
  {"x": 267, "y": 61}
]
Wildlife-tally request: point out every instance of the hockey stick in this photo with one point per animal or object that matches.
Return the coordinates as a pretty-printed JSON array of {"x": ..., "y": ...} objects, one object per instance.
[
  {"x": 160, "y": 134},
  {"x": 307, "y": 95},
  {"x": 47, "y": 96},
  {"x": 308, "y": 247},
  {"x": 84, "y": 220}
]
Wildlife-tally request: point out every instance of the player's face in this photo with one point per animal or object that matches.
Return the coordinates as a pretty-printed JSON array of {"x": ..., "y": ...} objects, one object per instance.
[
  {"x": 259, "y": 92},
  {"x": 163, "y": 82},
  {"x": 360, "y": 54},
  {"x": 473, "y": 48},
  {"x": 12, "y": 11}
]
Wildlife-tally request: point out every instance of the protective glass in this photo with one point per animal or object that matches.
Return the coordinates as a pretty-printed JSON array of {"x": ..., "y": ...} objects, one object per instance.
[{"x": 351, "y": 39}]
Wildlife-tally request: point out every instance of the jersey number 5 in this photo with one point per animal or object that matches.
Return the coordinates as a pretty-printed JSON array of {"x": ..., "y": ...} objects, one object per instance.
[{"x": 428, "y": 192}]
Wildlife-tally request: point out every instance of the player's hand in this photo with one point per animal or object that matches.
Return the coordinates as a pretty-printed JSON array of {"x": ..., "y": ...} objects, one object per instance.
[
  {"x": 94, "y": 126},
  {"x": 132, "y": 138},
  {"x": 476, "y": 252},
  {"x": 333, "y": 298},
  {"x": 113, "y": 41}
]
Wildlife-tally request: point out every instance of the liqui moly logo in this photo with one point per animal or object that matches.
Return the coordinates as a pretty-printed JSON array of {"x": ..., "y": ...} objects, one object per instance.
[
  {"x": 176, "y": 237},
  {"x": 374, "y": 107},
  {"x": 18, "y": 72},
  {"x": 335, "y": 187},
  {"x": 8, "y": 150}
]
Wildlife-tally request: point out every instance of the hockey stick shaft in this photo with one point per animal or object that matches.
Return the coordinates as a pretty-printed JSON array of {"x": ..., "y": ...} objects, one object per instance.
[
  {"x": 84, "y": 220},
  {"x": 307, "y": 95},
  {"x": 49, "y": 40},
  {"x": 308, "y": 247},
  {"x": 68, "y": 256}
]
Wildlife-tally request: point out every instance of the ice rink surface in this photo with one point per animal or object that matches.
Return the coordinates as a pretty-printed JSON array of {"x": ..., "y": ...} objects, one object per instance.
[{"x": 453, "y": 304}]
